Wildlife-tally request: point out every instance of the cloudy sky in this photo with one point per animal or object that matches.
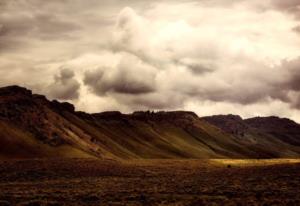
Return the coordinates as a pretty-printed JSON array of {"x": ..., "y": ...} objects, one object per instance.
[{"x": 207, "y": 56}]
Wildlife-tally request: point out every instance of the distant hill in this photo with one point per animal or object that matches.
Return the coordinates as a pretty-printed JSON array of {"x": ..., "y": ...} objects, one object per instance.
[
  {"x": 267, "y": 136},
  {"x": 33, "y": 127}
]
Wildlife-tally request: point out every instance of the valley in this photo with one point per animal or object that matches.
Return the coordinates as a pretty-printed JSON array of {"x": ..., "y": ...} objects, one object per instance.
[{"x": 51, "y": 154}]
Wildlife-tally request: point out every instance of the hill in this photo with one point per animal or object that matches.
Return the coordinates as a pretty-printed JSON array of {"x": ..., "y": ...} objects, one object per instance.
[
  {"x": 270, "y": 137},
  {"x": 33, "y": 127}
]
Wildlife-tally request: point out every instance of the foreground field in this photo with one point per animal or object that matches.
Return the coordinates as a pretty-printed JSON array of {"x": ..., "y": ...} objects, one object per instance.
[{"x": 152, "y": 182}]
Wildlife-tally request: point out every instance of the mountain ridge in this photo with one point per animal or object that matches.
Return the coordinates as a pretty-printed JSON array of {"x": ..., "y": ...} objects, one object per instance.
[{"x": 31, "y": 126}]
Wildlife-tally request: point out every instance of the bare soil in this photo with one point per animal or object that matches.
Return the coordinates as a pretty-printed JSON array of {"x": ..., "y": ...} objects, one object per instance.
[{"x": 148, "y": 182}]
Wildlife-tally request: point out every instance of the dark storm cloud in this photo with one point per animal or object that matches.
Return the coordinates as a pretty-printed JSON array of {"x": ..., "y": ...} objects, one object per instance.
[
  {"x": 297, "y": 29},
  {"x": 198, "y": 69},
  {"x": 279, "y": 83},
  {"x": 65, "y": 86},
  {"x": 292, "y": 78},
  {"x": 35, "y": 26},
  {"x": 126, "y": 78},
  {"x": 297, "y": 102},
  {"x": 290, "y": 86},
  {"x": 47, "y": 25},
  {"x": 248, "y": 91},
  {"x": 118, "y": 85},
  {"x": 9, "y": 45},
  {"x": 287, "y": 4},
  {"x": 290, "y": 6}
]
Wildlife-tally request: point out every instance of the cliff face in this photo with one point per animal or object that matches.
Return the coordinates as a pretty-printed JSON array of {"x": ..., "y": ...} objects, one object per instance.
[
  {"x": 32, "y": 126},
  {"x": 30, "y": 112}
]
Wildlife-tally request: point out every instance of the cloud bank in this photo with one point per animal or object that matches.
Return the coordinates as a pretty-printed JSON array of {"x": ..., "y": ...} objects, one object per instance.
[{"x": 232, "y": 56}]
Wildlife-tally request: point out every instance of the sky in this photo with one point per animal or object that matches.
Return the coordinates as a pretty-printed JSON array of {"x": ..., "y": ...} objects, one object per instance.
[{"x": 207, "y": 56}]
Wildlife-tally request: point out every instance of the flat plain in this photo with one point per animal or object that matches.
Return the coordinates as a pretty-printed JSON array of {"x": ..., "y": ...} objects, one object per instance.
[{"x": 149, "y": 182}]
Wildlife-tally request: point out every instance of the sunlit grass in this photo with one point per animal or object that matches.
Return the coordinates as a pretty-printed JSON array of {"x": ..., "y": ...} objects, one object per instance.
[{"x": 253, "y": 162}]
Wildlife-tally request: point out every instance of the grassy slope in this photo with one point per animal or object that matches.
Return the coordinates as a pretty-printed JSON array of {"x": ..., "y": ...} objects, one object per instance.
[
  {"x": 257, "y": 140},
  {"x": 31, "y": 126},
  {"x": 132, "y": 138},
  {"x": 15, "y": 143},
  {"x": 270, "y": 146}
]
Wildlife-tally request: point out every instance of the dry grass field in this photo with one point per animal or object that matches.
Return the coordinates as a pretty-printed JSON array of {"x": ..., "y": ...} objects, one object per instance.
[{"x": 149, "y": 182}]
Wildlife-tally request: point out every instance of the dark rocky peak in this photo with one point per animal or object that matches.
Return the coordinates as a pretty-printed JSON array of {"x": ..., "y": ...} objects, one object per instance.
[
  {"x": 33, "y": 113},
  {"x": 62, "y": 106},
  {"x": 15, "y": 101},
  {"x": 39, "y": 97},
  {"x": 14, "y": 90},
  {"x": 20, "y": 96}
]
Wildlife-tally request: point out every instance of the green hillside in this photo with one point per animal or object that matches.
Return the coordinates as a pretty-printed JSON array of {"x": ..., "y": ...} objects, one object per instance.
[{"x": 33, "y": 127}]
